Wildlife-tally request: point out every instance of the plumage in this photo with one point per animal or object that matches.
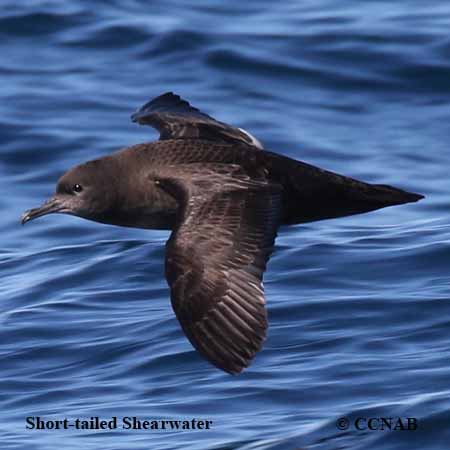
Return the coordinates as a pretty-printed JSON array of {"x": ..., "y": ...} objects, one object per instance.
[
  {"x": 175, "y": 118},
  {"x": 216, "y": 256},
  {"x": 224, "y": 198}
]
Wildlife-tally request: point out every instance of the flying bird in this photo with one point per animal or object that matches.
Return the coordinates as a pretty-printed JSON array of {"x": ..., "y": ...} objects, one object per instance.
[{"x": 224, "y": 197}]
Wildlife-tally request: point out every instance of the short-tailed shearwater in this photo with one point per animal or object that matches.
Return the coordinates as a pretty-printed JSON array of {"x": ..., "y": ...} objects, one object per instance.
[{"x": 224, "y": 197}]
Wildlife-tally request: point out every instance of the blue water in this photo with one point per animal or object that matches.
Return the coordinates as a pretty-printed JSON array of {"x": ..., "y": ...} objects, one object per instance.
[{"x": 359, "y": 307}]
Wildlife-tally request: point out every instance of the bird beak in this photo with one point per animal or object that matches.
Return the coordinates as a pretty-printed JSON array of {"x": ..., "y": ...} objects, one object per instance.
[{"x": 52, "y": 205}]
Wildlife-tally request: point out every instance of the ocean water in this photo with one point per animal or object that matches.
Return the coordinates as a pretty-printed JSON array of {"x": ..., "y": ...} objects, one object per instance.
[{"x": 359, "y": 307}]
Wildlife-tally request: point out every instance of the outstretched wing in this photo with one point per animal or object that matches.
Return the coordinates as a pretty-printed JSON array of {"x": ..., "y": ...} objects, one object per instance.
[
  {"x": 216, "y": 257},
  {"x": 175, "y": 118}
]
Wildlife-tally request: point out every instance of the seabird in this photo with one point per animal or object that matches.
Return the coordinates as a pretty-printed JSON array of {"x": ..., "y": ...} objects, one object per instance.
[{"x": 224, "y": 197}]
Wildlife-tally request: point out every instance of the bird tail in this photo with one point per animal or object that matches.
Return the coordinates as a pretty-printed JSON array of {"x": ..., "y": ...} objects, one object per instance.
[{"x": 314, "y": 194}]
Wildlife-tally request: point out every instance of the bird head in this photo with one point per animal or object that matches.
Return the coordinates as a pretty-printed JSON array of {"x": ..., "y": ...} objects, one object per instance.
[{"x": 88, "y": 190}]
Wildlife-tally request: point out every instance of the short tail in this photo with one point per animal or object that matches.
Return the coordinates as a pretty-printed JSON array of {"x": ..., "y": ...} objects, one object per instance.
[
  {"x": 314, "y": 194},
  {"x": 386, "y": 195}
]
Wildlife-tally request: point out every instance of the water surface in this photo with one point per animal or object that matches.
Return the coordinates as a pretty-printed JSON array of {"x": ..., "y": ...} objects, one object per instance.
[{"x": 359, "y": 307}]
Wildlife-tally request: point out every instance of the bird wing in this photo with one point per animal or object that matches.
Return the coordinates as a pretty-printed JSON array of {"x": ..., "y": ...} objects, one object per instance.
[
  {"x": 175, "y": 118},
  {"x": 216, "y": 257}
]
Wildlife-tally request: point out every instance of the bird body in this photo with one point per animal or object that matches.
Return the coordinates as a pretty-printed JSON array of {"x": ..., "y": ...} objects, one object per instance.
[
  {"x": 309, "y": 193},
  {"x": 224, "y": 197}
]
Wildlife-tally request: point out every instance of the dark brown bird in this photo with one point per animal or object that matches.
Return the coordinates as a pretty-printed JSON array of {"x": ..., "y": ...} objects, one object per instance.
[{"x": 224, "y": 197}]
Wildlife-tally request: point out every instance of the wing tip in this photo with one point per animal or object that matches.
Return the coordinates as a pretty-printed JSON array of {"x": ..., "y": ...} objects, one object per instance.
[
  {"x": 234, "y": 372},
  {"x": 233, "y": 369},
  {"x": 167, "y": 100}
]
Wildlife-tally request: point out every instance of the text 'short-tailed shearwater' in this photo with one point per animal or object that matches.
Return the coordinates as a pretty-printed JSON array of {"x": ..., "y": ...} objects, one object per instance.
[{"x": 223, "y": 196}]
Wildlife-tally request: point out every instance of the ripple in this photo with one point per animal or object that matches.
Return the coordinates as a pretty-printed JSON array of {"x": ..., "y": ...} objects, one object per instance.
[
  {"x": 108, "y": 36},
  {"x": 358, "y": 307},
  {"x": 37, "y": 23}
]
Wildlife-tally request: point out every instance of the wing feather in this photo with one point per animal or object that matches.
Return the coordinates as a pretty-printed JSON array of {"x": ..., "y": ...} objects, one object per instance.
[
  {"x": 175, "y": 118},
  {"x": 216, "y": 257}
]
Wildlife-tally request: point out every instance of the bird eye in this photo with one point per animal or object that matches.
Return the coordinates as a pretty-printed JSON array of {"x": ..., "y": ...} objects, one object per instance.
[{"x": 77, "y": 188}]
